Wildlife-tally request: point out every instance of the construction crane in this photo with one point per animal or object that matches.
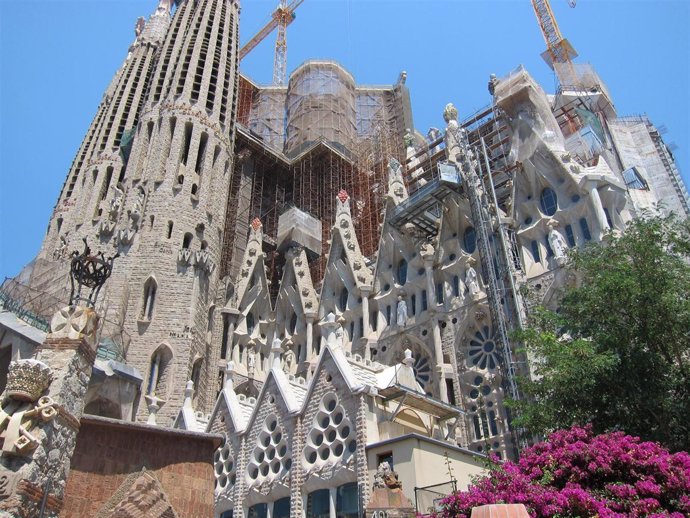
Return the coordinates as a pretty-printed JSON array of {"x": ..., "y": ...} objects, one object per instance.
[
  {"x": 558, "y": 49},
  {"x": 283, "y": 16}
]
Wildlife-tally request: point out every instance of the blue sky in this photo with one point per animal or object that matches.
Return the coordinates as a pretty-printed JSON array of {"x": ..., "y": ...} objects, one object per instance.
[{"x": 57, "y": 57}]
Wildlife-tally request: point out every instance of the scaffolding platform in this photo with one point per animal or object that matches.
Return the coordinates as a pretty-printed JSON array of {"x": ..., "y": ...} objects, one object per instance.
[{"x": 422, "y": 208}]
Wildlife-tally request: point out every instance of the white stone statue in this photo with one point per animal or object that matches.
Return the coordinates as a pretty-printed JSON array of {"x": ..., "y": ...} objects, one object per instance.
[
  {"x": 450, "y": 115},
  {"x": 289, "y": 362},
  {"x": 339, "y": 335},
  {"x": 251, "y": 358},
  {"x": 558, "y": 245},
  {"x": 401, "y": 312},
  {"x": 471, "y": 278}
]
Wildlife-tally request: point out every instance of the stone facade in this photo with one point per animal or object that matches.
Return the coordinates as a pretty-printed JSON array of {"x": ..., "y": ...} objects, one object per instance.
[{"x": 388, "y": 315}]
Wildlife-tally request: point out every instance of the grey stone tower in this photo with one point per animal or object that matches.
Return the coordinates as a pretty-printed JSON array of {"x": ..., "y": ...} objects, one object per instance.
[{"x": 150, "y": 181}]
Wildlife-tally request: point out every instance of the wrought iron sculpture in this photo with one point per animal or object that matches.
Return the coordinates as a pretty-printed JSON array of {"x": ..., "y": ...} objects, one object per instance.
[{"x": 91, "y": 271}]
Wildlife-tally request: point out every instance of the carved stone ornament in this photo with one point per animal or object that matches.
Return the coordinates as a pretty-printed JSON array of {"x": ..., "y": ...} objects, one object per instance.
[
  {"x": 27, "y": 380},
  {"x": 20, "y": 414},
  {"x": 75, "y": 323}
]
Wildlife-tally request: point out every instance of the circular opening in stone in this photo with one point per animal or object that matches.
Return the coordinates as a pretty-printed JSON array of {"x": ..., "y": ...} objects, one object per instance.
[
  {"x": 345, "y": 432},
  {"x": 338, "y": 450}
]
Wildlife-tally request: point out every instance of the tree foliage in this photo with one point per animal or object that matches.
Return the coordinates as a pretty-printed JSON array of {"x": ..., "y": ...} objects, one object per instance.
[
  {"x": 616, "y": 354},
  {"x": 577, "y": 474}
]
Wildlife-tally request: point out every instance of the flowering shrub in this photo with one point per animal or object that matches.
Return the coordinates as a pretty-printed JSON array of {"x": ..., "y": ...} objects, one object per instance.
[{"x": 575, "y": 473}]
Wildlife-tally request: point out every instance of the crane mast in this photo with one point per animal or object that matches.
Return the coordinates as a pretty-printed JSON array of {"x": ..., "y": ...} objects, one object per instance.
[
  {"x": 283, "y": 16},
  {"x": 559, "y": 51}
]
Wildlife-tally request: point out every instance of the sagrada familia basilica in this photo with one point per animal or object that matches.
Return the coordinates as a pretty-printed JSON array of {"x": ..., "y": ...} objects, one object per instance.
[{"x": 296, "y": 281}]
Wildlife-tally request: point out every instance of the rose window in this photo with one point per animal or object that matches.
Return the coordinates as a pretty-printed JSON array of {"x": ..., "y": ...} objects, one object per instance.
[
  {"x": 484, "y": 350},
  {"x": 224, "y": 468},
  {"x": 422, "y": 371},
  {"x": 332, "y": 437},
  {"x": 270, "y": 457}
]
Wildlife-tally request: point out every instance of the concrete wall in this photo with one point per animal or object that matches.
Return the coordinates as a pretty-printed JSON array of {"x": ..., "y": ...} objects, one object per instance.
[{"x": 421, "y": 462}]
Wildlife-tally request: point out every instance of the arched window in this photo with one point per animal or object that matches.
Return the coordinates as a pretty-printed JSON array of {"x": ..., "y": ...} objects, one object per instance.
[
  {"x": 149, "y": 299},
  {"x": 170, "y": 229},
  {"x": 469, "y": 240},
  {"x": 548, "y": 201},
  {"x": 159, "y": 371},
  {"x": 187, "y": 240},
  {"x": 402, "y": 272}
]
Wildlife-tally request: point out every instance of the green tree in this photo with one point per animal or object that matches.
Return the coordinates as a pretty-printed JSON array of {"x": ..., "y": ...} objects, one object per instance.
[{"x": 616, "y": 354}]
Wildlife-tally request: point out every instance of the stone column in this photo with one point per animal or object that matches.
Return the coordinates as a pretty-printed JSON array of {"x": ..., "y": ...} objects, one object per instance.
[
  {"x": 598, "y": 207},
  {"x": 428, "y": 256},
  {"x": 41, "y": 408},
  {"x": 310, "y": 317},
  {"x": 438, "y": 352},
  {"x": 332, "y": 496},
  {"x": 366, "y": 329}
]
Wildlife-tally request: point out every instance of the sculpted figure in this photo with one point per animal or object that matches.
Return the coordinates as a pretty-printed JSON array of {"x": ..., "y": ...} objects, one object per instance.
[
  {"x": 401, "y": 311},
  {"x": 558, "y": 245},
  {"x": 471, "y": 278}
]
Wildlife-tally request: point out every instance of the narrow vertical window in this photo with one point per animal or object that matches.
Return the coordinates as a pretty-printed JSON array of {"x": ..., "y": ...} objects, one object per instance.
[
  {"x": 456, "y": 286},
  {"x": 570, "y": 235},
  {"x": 149, "y": 300},
  {"x": 535, "y": 251},
  {"x": 425, "y": 302},
  {"x": 201, "y": 153},
  {"x": 170, "y": 229},
  {"x": 439, "y": 293},
  {"x": 584, "y": 226},
  {"x": 402, "y": 272},
  {"x": 187, "y": 142},
  {"x": 413, "y": 303},
  {"x": 225, "y": 339},
  {"x": 549, "y": 251}
]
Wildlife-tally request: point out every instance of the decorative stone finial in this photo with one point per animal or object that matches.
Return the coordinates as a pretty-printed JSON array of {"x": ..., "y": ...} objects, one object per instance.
[
  {"x": 27, "y": 380},
  {"x": 450, "y": 113},
  {"x": 188, "y": 394},
  {"x": 343, "y": 196},
  {"x": 75, "y": 323},
  {"x": 154, "y": 405},
  {"x": 229, "y": 373},
  {"x": 256, "y": 224},
  {"x": 277, "y": 351}
]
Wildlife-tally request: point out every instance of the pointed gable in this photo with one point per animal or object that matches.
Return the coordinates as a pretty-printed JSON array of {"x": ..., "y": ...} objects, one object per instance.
[{"x": 252, "y": 285}]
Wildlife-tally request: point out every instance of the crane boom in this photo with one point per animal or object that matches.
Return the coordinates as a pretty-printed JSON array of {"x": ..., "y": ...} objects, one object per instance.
[
  {"x": 283, "y": 16},
  {"x": 558, "y": 49}
]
